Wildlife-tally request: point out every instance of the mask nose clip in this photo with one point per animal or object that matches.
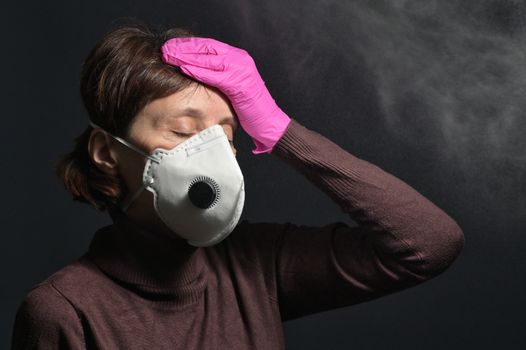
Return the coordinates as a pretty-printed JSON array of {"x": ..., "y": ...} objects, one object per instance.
[{"x": 203, "y": 192}]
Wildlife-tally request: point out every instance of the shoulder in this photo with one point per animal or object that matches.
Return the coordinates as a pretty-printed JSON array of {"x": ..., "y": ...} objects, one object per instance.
[
  {"x": 46, "y": 319},
  {"x": 53, "y": 299},
  {"x": 50, "y": 296},
  {"x": 258, "y": 243},
  {"x": 50, "y": 313},
  {"x": 44, "y": 304},
  {"x": 252, "y": 242},
  {"x": 253, "y": 238}
]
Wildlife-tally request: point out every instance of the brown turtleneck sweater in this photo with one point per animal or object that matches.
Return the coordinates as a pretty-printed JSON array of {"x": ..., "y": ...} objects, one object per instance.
[{"x": 136, "y": 290}]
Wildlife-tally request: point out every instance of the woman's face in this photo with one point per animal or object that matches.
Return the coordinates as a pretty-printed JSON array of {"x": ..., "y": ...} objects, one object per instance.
[
  {"x": 168, "y": 121},
  {"x": 164, "y": 123}
]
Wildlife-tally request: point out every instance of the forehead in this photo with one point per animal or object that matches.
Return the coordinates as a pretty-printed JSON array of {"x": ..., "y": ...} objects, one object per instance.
[
  {"x": 197, "y": 113},
  {"x": 199, "y": 103}
]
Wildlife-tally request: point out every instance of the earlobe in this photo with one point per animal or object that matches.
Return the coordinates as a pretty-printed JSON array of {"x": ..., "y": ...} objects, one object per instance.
[{"x": 101, "y": 152}]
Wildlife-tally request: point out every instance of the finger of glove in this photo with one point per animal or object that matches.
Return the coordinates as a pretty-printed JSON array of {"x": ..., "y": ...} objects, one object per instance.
[
  {"x": 211, "y": 62},
  {"x": 195, "y": 45},
  {"x": 207, "y": 76}
]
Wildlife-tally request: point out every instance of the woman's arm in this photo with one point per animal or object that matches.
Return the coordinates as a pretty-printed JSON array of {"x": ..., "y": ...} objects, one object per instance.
[
  {"x": 46, "y": 320},
  {"x": 403, "y": 238}
]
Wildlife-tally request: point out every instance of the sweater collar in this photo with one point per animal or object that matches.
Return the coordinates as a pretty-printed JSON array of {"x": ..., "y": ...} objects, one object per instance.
[{"x": 153, "y": 265}]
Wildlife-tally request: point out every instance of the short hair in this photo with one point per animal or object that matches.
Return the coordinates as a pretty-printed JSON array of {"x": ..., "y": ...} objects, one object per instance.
[{"x": 122, "y": 73}]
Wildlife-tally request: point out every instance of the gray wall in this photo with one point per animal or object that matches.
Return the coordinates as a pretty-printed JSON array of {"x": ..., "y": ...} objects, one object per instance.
[{"x": 430, "y": 91}]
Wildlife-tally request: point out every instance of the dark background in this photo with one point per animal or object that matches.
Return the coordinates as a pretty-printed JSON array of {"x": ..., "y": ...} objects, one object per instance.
[{"x": 431, "y": 91}]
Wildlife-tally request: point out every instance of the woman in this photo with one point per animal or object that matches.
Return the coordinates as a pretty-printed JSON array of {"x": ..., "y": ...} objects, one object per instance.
[{"x": 176, "y": 270}]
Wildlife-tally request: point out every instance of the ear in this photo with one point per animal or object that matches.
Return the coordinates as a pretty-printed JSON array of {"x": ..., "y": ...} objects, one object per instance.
[{"x": 101, "y": 151}]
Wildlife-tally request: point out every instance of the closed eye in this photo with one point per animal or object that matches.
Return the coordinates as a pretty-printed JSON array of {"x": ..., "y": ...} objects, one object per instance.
[
  {"x": 181, "y": 134},
  {"x": 188, "y": 135}
]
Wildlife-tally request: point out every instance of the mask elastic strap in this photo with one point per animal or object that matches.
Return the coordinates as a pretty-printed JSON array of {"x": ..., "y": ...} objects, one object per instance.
[
  {"x": 133, "y": 198},
  {"x": 126, "y": 143},
  {"x": 136, "y": 194}
]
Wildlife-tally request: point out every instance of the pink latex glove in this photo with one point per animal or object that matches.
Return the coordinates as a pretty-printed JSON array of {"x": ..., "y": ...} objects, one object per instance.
[{"x": 234, "y": 72}]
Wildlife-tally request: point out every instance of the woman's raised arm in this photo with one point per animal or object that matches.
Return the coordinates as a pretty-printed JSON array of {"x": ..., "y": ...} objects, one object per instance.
[{"x": 402, "y": 239}]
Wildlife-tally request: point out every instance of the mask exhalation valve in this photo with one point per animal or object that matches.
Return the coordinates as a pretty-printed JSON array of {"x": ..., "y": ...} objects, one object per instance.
[{"x": 203, "y": 192}]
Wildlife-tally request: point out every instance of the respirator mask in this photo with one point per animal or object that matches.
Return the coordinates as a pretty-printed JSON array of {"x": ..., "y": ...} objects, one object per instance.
[{"x": 198, "y": 187}]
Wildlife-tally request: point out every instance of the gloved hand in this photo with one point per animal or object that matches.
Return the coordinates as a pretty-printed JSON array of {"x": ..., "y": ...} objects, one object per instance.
[{"x": 234, "y": 72}]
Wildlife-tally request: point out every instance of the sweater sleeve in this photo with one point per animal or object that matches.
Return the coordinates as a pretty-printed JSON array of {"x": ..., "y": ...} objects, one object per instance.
[
  {"x": 46, "y": 320},
  {"x": 402, "y": 239}
]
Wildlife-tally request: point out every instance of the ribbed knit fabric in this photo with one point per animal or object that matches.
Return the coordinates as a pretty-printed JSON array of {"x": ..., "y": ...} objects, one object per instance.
[
  {"x": 166, "y": 271},
  {"x": 134, "y": 289}
]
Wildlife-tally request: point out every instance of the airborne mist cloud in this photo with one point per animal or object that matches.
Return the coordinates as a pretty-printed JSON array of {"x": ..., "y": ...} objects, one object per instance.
[{"x": 457, "y": 68}]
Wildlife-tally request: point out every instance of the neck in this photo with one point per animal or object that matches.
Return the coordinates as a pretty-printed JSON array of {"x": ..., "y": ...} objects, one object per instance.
[
  {"x": 141, "y": 214},
  {"x": 144, "y": 257}
]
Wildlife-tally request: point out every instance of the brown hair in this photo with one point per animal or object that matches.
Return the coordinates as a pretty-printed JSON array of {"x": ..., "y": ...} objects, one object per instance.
[{"x": 121, "y": 74}]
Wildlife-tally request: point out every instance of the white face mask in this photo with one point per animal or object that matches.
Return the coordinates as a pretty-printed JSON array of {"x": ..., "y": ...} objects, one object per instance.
[{"x": 198, "y": 186}]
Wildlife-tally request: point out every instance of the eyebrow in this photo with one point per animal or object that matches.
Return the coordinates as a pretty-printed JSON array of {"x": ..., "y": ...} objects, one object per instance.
[{"x": 199, "y": 113}]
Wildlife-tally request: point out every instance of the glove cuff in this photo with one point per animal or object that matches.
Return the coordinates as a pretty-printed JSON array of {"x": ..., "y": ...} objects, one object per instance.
[{"x": 273, "y": 131}]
